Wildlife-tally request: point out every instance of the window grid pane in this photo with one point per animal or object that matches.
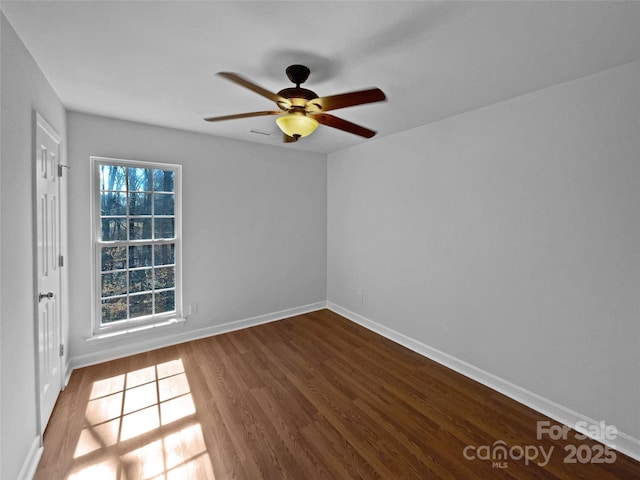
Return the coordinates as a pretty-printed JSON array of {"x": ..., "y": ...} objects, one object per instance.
[{"x": 137, "y": 264}]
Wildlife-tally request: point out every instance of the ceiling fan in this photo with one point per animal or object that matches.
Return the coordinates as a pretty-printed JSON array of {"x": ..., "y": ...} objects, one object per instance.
[{"x": 301, "y": 110}]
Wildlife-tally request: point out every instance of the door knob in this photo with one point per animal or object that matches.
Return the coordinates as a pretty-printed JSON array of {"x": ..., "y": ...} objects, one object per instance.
[{"x": 44, "y": 295}]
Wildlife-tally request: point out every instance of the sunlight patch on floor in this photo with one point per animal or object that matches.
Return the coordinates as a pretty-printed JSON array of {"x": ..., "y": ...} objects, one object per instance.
[
  {"x": 105, "y": 470},
  {"x": 140, "y": 425}
]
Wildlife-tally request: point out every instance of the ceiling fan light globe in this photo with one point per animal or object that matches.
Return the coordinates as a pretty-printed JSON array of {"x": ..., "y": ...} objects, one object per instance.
[{"x": 294, "y": 124}]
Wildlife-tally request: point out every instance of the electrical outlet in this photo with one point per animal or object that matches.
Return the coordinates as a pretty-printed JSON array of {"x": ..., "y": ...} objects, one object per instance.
[{"x": 360, "y": 297}]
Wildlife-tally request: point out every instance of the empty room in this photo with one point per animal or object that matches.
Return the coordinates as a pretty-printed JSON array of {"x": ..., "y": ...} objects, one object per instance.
[{"x": 319, "y": 240}]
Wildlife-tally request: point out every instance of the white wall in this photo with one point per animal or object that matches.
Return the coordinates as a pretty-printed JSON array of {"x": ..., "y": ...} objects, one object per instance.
[
  {"x": 23, "y": 89},
  {"x": 507, "y": 237},
  {"x": 254, "y": 225}
]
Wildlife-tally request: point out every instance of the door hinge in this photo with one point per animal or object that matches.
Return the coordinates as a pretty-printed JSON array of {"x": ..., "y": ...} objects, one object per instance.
[
  {"x": 60, "y": 167},
  {"x": 61, "y": 349},
  {"x": 61, "y": 261}
]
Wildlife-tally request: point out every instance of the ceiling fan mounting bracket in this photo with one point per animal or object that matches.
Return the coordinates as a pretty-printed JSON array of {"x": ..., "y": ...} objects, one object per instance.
[{"x": 298, "y": 74}]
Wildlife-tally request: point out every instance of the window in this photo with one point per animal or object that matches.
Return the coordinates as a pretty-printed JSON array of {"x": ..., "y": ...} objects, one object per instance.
[{"x": 136, "y": 243}]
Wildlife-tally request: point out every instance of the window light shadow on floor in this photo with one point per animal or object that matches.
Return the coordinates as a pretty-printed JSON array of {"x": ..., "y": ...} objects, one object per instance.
[{"x": 142, "y": 425}]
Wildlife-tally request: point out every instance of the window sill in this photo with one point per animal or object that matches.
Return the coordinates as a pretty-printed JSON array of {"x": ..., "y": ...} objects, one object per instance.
[{"x": 134, "y": 331}]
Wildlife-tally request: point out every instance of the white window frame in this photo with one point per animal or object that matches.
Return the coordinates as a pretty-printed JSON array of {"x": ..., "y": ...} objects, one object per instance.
[{"x": 142, "y": 323}]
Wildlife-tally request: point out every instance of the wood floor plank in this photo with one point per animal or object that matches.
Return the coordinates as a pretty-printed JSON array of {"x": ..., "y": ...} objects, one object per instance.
[{"x": 310, "y": 397}]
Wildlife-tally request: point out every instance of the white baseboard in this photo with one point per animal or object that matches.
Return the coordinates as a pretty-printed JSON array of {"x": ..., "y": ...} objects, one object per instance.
[
  {"x": 181, "y": 337},
  {"x": 624, "y": 443},
  {"x": 67, "y": 373},
  {"x": 30, "y": 464}
]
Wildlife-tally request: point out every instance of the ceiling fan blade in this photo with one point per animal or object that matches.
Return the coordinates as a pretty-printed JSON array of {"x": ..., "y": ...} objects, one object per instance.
[
  {"x": 340, "y": 124},
  {"x": 288, "y": 139},
  {"x": 243, "y": 115},
  {"x": 235, "y": 78},
  {"x": 343, "y": 100}
]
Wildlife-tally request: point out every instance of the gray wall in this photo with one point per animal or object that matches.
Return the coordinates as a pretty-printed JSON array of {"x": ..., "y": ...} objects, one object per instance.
[
  {"x": 254, "y": 223},
  {"x": 23, "y": 89},
  {"x": 507, "y": 237}
]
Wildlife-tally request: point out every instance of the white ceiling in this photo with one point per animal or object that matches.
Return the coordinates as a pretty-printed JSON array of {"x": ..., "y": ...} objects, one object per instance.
[{"x": 154, "y": 62}]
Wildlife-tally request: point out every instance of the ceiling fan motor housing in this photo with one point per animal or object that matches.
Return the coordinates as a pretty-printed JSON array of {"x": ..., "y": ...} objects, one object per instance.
[{"x": 297, "y": 96}]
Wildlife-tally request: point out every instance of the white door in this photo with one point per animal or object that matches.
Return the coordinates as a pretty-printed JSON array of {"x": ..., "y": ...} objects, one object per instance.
[{"x": 47, "y": 153}]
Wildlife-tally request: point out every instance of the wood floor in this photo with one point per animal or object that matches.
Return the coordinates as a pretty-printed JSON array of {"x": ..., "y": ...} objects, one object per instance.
[{"x": 310, "y": 397}]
